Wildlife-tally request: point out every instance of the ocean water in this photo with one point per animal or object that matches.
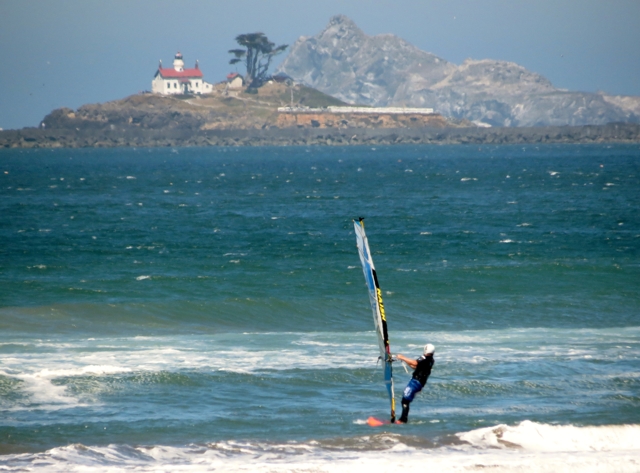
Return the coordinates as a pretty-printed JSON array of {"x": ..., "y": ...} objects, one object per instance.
[{"x": 204, "y": 309}]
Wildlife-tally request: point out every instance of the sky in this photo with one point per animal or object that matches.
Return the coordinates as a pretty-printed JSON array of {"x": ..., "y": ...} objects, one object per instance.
[{"x": 67, "y": 53}]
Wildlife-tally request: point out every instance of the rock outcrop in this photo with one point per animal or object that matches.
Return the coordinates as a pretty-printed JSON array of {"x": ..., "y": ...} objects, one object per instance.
[
  {"x": 212, "y": 119},
  {"x": 242, "y": 111},
  {"x": 385, "y": 70}
]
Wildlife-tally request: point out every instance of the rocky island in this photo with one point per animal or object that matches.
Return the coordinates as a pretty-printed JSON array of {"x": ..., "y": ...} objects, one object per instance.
[
  {"x": 342, "y": 87},
  {"x": 242, "y": 118}
]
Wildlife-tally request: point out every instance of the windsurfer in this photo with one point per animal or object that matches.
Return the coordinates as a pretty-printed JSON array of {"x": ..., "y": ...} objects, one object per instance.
[{"x": 421, "y": 371}]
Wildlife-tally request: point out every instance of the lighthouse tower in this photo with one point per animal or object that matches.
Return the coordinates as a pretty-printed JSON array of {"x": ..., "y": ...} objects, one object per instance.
[{"x": 178, "y": 63}]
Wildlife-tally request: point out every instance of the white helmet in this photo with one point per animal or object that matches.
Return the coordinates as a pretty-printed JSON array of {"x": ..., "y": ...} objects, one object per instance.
[{"x": 429, "y": 349}]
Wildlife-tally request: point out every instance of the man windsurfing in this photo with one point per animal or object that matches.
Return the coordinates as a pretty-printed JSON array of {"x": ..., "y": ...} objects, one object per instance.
[{"x": 421, "y": 371}]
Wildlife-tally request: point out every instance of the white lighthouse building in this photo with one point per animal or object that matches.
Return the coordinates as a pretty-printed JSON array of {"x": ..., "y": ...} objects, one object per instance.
[{"x": 178, "y": 80}]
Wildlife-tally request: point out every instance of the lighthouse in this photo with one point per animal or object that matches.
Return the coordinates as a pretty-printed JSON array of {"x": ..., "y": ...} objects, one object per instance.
[
  {"x": 178, "y": 63},
  {"x": 177, "y": 80}
]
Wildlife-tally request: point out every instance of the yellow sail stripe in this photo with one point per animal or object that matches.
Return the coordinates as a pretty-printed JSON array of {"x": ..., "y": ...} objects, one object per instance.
[{"x": 379, "y": 293}]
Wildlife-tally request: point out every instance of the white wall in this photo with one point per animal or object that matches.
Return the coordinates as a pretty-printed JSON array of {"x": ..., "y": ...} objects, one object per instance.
[{"x": 197, "y": 86}]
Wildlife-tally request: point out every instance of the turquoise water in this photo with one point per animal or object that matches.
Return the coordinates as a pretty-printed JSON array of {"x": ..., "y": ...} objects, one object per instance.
[{"x": 205, "y": 308}]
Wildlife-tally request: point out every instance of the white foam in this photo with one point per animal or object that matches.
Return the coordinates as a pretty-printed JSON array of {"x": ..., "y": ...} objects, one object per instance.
[
  {"x": 388, "y": 453},
  {"x": 261, "y": 352},
  {"x": 536, "y": 437},
  {"x": 41, "y": 392},
  {"x": 83, "y": 371}
]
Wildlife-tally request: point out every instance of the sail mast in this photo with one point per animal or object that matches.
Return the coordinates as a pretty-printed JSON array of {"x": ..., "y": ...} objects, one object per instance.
[{"x": 377, "y": 307}]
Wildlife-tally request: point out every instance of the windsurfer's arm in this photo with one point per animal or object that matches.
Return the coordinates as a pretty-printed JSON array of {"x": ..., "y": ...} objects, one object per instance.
[{"x": 413, "y": 364}]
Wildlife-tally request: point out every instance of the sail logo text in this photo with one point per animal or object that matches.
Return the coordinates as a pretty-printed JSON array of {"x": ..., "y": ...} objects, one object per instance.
[{"x": 379, "y": 293}]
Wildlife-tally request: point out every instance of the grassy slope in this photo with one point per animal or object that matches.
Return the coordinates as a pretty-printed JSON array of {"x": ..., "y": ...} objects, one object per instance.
[{"x": 222, "y": 109}]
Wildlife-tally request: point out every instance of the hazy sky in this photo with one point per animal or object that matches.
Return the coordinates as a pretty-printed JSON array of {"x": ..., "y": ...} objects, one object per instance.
[{"x": 57, "y": 53}]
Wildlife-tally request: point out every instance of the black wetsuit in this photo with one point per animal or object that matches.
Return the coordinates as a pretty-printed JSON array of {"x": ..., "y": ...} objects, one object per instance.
[
  {"x": 418, "y": 381},
  {"x": 423, "y": 370}
]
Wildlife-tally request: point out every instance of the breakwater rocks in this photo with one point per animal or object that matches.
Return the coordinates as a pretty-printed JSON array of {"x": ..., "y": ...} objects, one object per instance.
[{"x": 135, "y": 137}]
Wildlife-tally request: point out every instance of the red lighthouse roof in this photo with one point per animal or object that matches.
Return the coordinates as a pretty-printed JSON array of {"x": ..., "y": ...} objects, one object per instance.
[{"x": 171, "y": 73}]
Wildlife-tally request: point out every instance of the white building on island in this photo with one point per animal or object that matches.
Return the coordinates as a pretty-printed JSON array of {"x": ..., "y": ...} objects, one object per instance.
[{"x": 178, "y": 80}]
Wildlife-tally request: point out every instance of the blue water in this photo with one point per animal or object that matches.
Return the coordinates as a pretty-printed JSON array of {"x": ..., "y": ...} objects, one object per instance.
[{"x": 209, "y": 303}]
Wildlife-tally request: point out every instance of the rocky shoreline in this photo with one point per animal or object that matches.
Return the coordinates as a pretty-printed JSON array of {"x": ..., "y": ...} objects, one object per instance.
[
  {"x": 136, "y": 137},
  {"x": 217, "y": 119}
]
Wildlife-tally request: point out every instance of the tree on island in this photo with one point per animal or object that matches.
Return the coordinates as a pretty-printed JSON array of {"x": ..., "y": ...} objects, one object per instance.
[{"x": 257, "y": 56}]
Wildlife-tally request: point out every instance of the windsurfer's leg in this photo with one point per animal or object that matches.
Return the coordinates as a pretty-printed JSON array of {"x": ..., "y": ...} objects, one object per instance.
[
  {"x": 404, "y": 418},
  {"x": 409, "y": 393}
]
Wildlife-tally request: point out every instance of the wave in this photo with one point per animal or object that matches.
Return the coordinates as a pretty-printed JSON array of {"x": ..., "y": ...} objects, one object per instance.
[
  {"x": 229, "y": 313},
  {"x": 532, "y": 436},
  {"x": 526, "y": 447},
  {"x": 505, "y": 364}
]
